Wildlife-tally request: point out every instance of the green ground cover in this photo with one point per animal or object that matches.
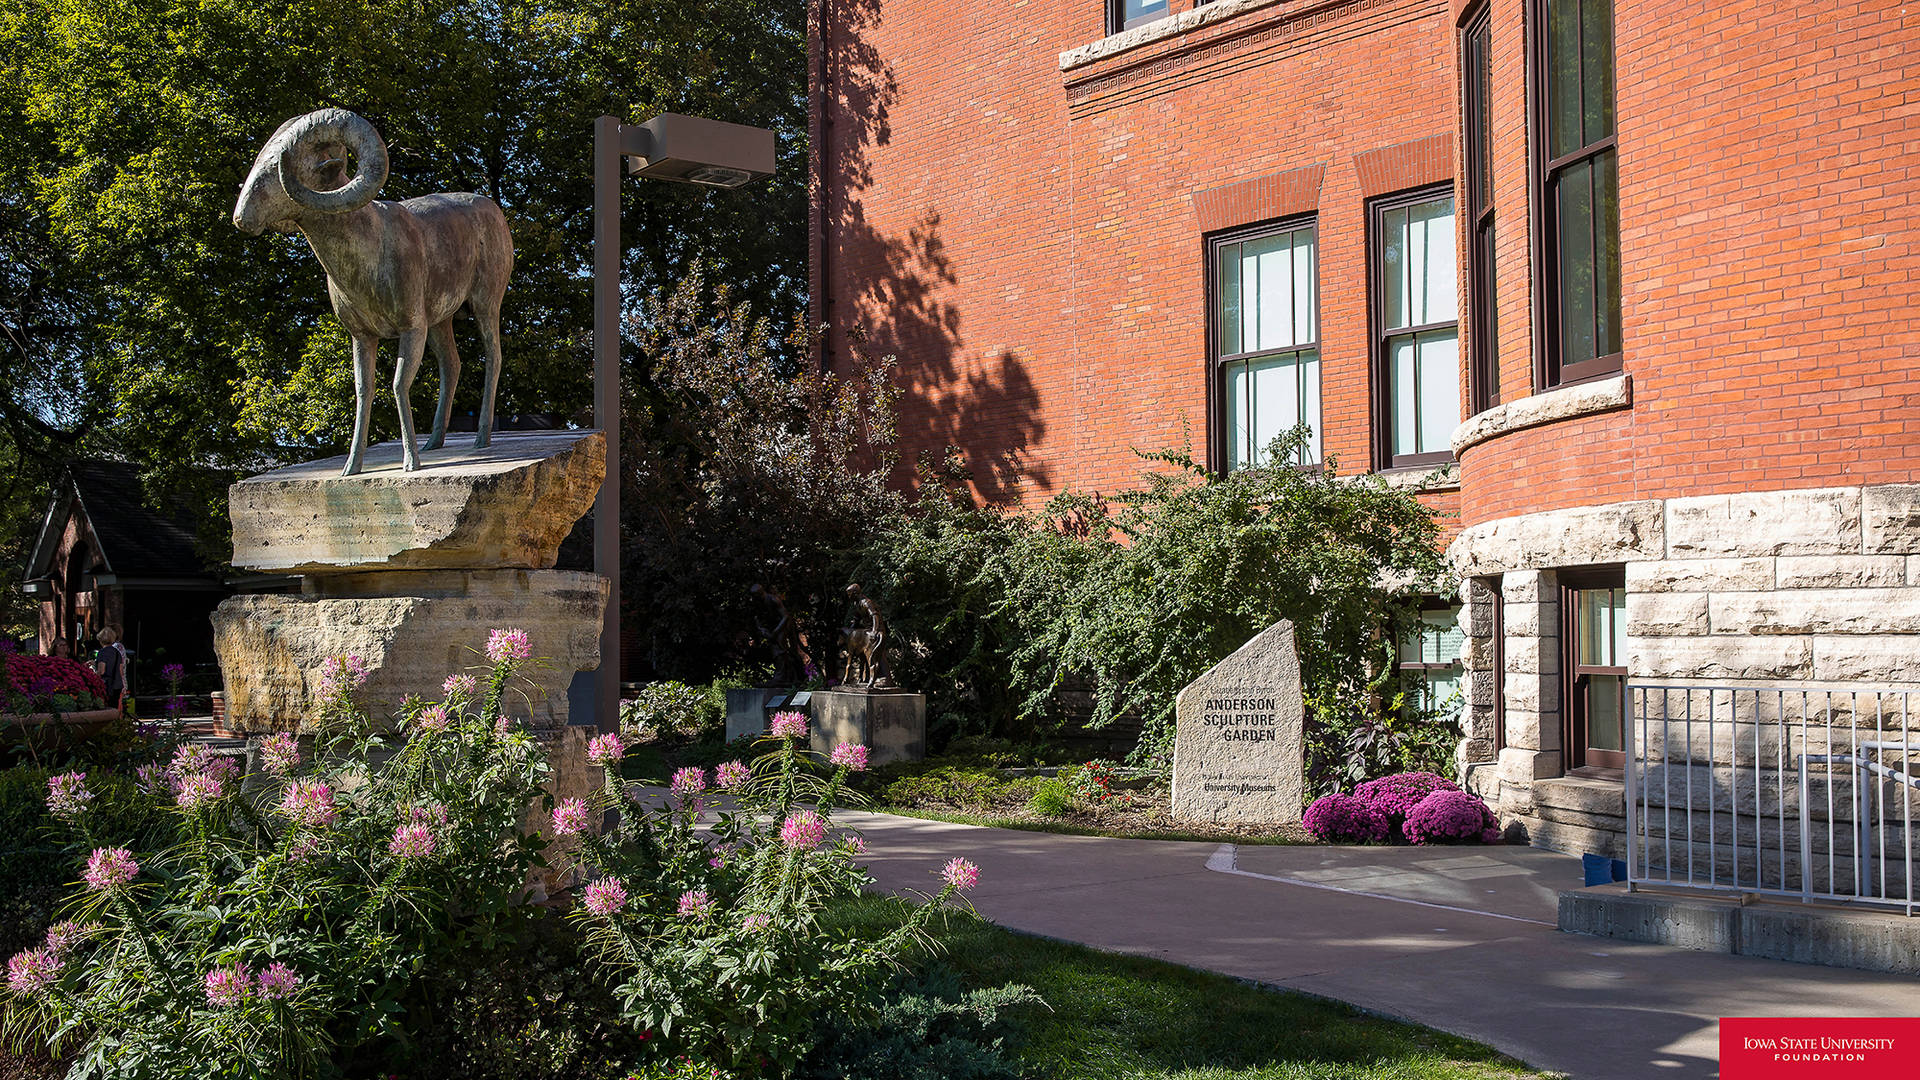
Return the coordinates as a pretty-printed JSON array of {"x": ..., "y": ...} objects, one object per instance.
[{"x": 1114, "y": 1017}]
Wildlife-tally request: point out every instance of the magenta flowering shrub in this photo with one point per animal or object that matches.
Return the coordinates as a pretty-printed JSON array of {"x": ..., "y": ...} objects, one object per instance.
[
  {"x": 1345, "y": 819},
  {"x": 1451, "y": 817},
  {"x": 1395, "y": 796},
  {"x": 712, "y": 926},
  {"x": 283, "y": 912}
]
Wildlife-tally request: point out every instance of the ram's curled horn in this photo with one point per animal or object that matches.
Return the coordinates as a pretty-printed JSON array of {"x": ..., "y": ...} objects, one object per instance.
[{"x": 359, "y": 137}]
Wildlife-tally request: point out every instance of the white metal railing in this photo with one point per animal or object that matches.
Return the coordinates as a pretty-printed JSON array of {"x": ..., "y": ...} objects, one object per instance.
[{"x": 1804, "y": 792}]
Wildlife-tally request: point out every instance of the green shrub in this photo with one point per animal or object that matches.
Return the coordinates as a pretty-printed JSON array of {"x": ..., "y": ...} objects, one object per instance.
[
  {"x": 1053, "y": 798},
  {"x": 673, "y": 710},
  {"x": 929, "y": 1030},
  {"x": 38, "y": 856},
  {"x": 974, "y": 790}
]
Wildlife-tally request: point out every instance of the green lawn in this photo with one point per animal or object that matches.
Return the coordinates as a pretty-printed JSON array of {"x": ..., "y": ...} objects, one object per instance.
[
  {"x": 1069, "y": 828},
  {"x": 1114, "y": 1017}
]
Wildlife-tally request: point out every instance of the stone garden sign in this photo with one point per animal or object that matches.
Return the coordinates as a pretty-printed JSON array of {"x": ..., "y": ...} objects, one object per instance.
[{"x": 1237, "y": 753}]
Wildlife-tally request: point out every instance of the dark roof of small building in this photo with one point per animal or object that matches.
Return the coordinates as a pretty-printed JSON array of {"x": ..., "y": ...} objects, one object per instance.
[{"x": 135, "y": 538}]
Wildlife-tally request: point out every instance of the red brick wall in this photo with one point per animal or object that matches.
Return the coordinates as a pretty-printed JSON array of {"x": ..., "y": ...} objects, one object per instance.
[
  {"x": 1029, "y": 241},
  {"x": 1769, "y": 168}
]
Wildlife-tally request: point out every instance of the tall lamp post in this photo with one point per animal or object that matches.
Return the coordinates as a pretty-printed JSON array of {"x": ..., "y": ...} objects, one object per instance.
[{"x": 682, "y": 149}]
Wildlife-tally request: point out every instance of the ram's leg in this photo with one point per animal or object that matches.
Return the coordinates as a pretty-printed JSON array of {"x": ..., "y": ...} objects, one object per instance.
[
  {"x": 365, "y": 350},
  {"x": 413, "y": 344},
  {"x": 442, "y": 337},
  {"x": 486, "y": 315}
]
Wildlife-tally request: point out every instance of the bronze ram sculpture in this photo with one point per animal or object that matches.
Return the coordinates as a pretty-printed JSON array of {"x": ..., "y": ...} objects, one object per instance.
[{"x": 394, "y": 269}]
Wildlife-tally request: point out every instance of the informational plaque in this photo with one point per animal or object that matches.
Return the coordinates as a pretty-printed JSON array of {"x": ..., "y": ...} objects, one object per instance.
[{"x": 1237, "y": 751}]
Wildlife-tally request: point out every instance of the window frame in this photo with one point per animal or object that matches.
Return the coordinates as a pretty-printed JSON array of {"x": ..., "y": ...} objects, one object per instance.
[
  {"x": 1117, "y": 20},
  {"x": 1219, "y": 461},
  {"x": 1499, "y": 662},
  {"x": 1482, "y": 302},
  {"x": 1417, "y": 670},
  {"x": 1378, "y": 333},
  {"x": 1550, "y": 370},
  {"x": 1578, "y": 758}
]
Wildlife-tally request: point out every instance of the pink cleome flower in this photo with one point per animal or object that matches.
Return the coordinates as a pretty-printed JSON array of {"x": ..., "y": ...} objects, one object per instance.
[
  {"x": 110, "y": 868},
  {"x": 151, "y": 779},
  {"x": 278, "y": 982},
  {"x": 229, "y": 986},
  {"x": 67, "y": 795},
  {"x": 960, "y": 873},
  {"x": 758, "y": 922},
  {"x": 569, "y": 817},
  {"x": 852, "y": 756},
  {"x": 304, "y": 850},
  {"x": 63, "y": 936},
  {"x": 802, "y": 830},
  {"x": 508, "y": 645},
  {"x": 606, "y": 749},
  {"x": 198, "y": 790},
  {"x": 279, "y": 753},
  {"x": 788, "y": 725},
  {"x": 732, "y": 774},
  {"x": 605, "y": 897},
  {"x": 340, "y": 676},
  {"x": 691, "y": 780},
  {"x": 32, "y": 971},
  {"x": 856, "y": 844},
  {"x": 411, "y": 842},
  {"x": 695, "y": 904},
  {"x": 464, "y": 686},
  {"x": 433, "y": 718},
  {"x": 309, "y": 803}
]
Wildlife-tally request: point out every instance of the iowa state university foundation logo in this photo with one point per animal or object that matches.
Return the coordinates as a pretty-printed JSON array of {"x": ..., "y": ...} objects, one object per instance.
[{"x": 1855, "y": 1048}]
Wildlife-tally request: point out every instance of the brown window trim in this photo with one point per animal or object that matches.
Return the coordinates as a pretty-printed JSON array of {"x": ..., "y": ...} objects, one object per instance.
[
  {"x": 1217, "y": 420},
  {"x": 1377, "y": 335},
  {"x": 1117, "y": 22},
  {"x": 1578, "y": 758},
  {"x": 1548, "y": 370},
  {"x": 1492, "y": 585},
  {"x": 1482, "y": 299}
]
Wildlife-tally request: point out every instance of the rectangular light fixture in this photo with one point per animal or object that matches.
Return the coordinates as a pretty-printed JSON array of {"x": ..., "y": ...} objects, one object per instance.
[{"x": 695, "y": 150}]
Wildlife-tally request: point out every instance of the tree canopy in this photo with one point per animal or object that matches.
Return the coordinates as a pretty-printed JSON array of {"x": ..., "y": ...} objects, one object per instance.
[{"x": 136, "y": 320}]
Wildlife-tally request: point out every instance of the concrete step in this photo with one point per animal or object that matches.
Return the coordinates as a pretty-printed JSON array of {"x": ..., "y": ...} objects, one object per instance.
[{"x": 1832, "y": 936}]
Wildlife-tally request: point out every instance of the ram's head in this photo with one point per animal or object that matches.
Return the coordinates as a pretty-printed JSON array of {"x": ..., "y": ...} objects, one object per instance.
[{"x": 303, "y": 170}]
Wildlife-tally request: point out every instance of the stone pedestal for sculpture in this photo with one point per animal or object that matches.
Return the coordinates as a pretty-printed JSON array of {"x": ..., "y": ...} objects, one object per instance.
[
  {"x": 747, "y": 709},
  {"x": 410, "y": 571},
  {"x": 1237, "y": 751},
  {"x": 891, "y": 723}
]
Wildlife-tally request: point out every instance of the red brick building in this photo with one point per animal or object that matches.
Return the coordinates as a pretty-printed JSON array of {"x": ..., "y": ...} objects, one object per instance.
[{"x": 1621, "y": 285}]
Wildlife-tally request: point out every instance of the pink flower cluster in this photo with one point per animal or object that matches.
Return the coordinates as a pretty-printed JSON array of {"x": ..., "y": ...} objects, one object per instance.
[
  {"x": 605, "y": 896},
  {"x": 851, "y": 756},
  {"x": 788, "y": 725},
  {"x": 110, "y": 868},
  {"x": 689, "y": 781},
  {"x": 432, "y": 719},
  {"x": 279, "y": 754},
  {"x": 278, "y": 982},
  {"x": 1451, "y": 817},
  {"x": 1394, "y": 796},
  {"x": 67, "y": 795},
  {"x": 309, "y": 803},
  {"x": 758, "y": 922},
  {"x": 731, "y": 774},
  {"x": 569, "y": 817},
  {"x": 462, "y": 686},
  {"x": 230, "y": 987},
  {"x": 199, "y": 790},
  {"x": 197, "y": 775},
  {"x": 32, "y": 971},
  {"x": 64, "y": 935},
  {"x": 960, "y": 873},
  {"x": 695, "y": 904},
  {"x": 504, "y": 646},
  {"x": 1345, "y": 819},
  {"x": 411, "y": 842},
  {"x": 340, "y": 676},
  {"x": 803, "y": 829},
  {"x": 604, "y": 750}
]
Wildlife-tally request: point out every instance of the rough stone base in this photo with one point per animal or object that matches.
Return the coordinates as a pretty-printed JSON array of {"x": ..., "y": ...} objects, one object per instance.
[
  {"x": 747, "y": 710},
  {"x": 572, "y": 777},
  {"x": 892, "y": 724},
  {"x": 412, "y": 630},
  {"x": 1801, "y": 933}
]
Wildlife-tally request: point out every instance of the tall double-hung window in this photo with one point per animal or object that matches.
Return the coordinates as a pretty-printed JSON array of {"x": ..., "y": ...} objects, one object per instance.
[
  {"x": 1266, "y": 331},
  {"x": 1483, "y": 331},
  {"x": 1574, "y": 166},
  {"x": 1416, "y": 313},
  {"x": 1127, "y": 14}
]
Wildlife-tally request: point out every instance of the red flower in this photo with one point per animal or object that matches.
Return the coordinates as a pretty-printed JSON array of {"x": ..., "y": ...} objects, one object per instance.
[{"x": 34, "y": 675}]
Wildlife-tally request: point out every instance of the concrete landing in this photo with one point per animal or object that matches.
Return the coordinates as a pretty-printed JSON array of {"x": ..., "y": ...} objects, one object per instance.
[{"x": 1830, "y": 935}]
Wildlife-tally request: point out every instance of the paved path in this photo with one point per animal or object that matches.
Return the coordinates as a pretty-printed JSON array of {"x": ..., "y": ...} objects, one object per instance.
[{"x": 1459, "y": 939}]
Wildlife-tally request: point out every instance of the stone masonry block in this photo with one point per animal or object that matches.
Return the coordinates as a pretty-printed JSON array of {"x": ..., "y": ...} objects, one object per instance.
[
  {"x": 1666, "y": 614},
  {"x": 1877, "y": 658},
  {"x": 1892, "y": 519},
  {"x": 1840, "y": 571},
  {"x": 1578, "y": 536},
  {"x": 1530, "y": 655},
  {"x": 1520, "y": 766},
  {"x": 1701, "y": 575},
  {"x": 1527, "y": 730},
  {"x": 1720, "y": 657},
  {"x": 1817, "y": 611},
  {"x": 1527, "y": 586},
  {"x": 1532, "y": 620},
  {"x": 1533, "y": 694},
  {"x": 1822, "y": 521},
  {"x": 1913, "y": 569}
]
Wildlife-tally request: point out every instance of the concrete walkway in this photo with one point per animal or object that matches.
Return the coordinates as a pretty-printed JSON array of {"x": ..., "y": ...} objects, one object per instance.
[{"x": 1460, "y": 939}]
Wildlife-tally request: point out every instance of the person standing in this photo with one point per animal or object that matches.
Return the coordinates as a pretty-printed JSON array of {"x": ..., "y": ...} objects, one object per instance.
[{"x": 111, "y": 664}]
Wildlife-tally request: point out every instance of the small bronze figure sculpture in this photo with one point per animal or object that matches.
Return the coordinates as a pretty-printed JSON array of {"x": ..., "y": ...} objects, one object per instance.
[
  {"x": 789, "y": 654},
  {"x": 394, "y": 269},
  {"x": 866, "y": 649}
]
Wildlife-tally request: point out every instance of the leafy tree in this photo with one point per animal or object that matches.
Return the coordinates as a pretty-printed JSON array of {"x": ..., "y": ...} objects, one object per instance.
[{"x": 138, "y": 321}]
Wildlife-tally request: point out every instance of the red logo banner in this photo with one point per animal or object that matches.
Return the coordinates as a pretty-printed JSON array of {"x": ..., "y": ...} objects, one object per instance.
[{"x": 1803, "y": 1048}]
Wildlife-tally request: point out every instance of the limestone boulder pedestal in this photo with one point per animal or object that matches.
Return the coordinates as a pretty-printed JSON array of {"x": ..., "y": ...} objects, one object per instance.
[{"x": 892, "y": 724}]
